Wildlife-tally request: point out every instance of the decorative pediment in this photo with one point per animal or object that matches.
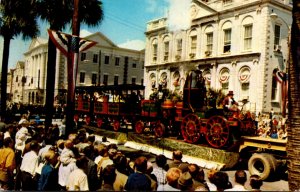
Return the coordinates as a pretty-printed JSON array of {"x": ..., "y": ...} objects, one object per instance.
[
  {"x": 200, "y": 9},
  {"x": 100, "y": 39},
  {"x": 37, "y": 42}
]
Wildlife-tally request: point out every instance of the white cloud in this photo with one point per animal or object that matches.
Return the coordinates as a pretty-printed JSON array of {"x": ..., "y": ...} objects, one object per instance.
[
  {"x": 133, "y": 44},
  {"x": 179, "y": 14}
]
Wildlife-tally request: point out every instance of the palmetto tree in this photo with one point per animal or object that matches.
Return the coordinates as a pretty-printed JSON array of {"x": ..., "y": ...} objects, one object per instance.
[
  {"x": 293, "y": 146},
  {"x": 17, "y": 18},
  {"x": 59, "y": 13}
]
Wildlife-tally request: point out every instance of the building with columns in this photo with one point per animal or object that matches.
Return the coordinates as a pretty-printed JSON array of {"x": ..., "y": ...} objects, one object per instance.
[
  {"x": 105, "y": 63},
  {"x": 238, "y": 45}
]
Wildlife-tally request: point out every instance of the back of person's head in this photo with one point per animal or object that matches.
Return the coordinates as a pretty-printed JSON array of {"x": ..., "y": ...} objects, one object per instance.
[
  {"x": 69, "y": 144},
  {"x": 112, "y": 146},
  {"x": 112, "y": 153},
  {"x": 161, "y": 160},
  {"x": 109, "y": 174},
  {"x": 81, "y": 162},
  {"x": 210, "y": 174},
  {"x": 240, "y": 177},
  {"x": 185, "y": 181},
  {"x": 91, "y": 138},
  {"x": 7, "y": 141},
  {"x": 193, "y": 169},
  {"x": 221, "y": 180},
  {"x": 51, "y": 157},
  {"x": 200, "y": 176},
  {"x": 140, "y": 164},
  {"x": 120, "y": 162},
  {"x": 177, "y": 155},
  {"x": 172, "y": 176},
  {"x": 34, "y": 145},
  {"x": 88, "y": 151},
  {"x": 255, "y": 182}
]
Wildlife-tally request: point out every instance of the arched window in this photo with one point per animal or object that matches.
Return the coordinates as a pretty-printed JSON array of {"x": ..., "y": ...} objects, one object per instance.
[
  {"x": 227, "y": 37},
  {"x": 209, "y": 40},
  {"x": 154, "y": 50},
  {"x": 193, "y": 43},
  {"x": 166, "y": 48},
  {"x": 247, "y": 33},
  {"x": 152, "y": 79}
]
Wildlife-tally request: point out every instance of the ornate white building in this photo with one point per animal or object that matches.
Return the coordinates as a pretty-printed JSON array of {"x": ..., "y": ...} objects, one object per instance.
[
  {"x": 237, "y": 44},
  {"x": 29, "y": 78}
]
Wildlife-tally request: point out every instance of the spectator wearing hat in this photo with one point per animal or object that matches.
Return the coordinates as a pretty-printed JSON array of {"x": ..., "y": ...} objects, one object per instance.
[
  {"x": 256, "y": 183},
  {"x": 172, "y": 176},
  {"x": 7, "y": 164},
  {"x": 229, "y": 104},
  {"x": 138, "y": 181},
  {"x": 240, "y": 177},
  {"x": 185, "y": 182},
  {"x": 78, "y": 180}
]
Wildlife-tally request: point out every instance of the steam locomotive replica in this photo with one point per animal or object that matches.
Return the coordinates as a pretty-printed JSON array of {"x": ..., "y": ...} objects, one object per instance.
[{"x": 196, "y": 118}]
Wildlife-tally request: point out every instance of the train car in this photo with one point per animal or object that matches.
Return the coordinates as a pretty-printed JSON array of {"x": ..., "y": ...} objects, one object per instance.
[{"x": 110, "y": 106}]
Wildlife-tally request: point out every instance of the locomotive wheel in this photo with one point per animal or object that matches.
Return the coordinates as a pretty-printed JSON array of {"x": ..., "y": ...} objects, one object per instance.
[
  {"x": 139, "y": 127},
  {"x": 217, "y": 131},
  {"x": 159, "y": 130},
  {"x": 99, "y": 122},
  {"x": 116, "y": 125},
  {"x": 190, "y": 128}
]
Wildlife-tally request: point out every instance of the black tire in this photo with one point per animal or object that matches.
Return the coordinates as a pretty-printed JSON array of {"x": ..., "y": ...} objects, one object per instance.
[{"x": 262, "y": 164}]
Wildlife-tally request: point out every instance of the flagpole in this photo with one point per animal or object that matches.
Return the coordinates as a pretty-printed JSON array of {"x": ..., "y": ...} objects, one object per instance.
[{"x": 72, "y": 61}]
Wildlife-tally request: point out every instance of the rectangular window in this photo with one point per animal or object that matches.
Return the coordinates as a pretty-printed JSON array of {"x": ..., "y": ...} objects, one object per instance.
[
  {"x": 133, "y": 80},
  {"x": 133, "y": 65},
  {"x": 81, "y": 77},
  {"x": 274, "y": 89},
  {"x": 154, "y": 52},
  {"x": 209, "y": 42},
  {"x": 193, "y": 44},
  {"x": 106, "y": 59},
  {"x": 116, "y": 80},
  {"x": 277, "y": 35},
  {"x": 245, "y": 90},
  {"x": 105, "y": 79},
  {"x": 94, "y": 78},
  {"x": 117, "y": 61},
  {"x": 227, "y": 41},
  {"x": 179, "y": 47},
  {"x": 225, "y": 87},
  {"x": 248, "y": 37},
  {"x": 166, "y": 51},
  {"x": 142, "y": 81},
  {"x": 83, "y": 56},
  {"x": 95, "y": 58}
]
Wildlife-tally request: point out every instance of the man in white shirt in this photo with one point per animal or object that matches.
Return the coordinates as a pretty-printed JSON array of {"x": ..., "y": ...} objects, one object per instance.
[
  {"x": 240, "y": 180},
  {"x": 77, "y": 180},
  {"x": 28, "y": 167}
]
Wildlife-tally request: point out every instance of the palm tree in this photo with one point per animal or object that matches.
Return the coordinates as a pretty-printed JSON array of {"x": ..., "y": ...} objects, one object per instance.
[
  {"x": 293, "y": 145},
  {"x": 59, "y": 13},
  {"x": 17, "y": 18}
]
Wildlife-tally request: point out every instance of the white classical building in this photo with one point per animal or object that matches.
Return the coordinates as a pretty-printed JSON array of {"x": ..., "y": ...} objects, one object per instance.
[
  {"x": 116, "y": 66},
  {"x": 237, "y": 44}
]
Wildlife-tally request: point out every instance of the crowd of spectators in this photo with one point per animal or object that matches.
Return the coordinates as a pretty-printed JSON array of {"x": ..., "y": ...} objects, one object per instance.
[{"x": 33, "y": 159}]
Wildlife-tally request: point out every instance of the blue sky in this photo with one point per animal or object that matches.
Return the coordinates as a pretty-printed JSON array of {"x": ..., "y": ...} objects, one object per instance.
[{"x": 124, "y": 22}]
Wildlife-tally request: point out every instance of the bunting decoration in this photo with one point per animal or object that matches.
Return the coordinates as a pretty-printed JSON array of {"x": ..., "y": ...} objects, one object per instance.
[{"x": 70, "y": 46}]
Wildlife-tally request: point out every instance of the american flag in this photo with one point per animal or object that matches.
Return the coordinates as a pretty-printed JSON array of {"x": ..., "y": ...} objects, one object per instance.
[{"x": 70, "y": 46}]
